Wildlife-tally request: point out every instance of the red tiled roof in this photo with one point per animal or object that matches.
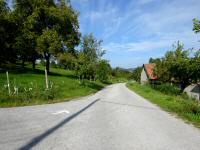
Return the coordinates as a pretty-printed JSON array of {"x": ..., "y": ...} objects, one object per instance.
[{"x": 149, "y": 68}]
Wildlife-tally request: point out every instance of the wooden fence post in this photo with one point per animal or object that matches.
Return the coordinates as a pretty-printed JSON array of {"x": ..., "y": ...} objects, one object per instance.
[{"x": 46, "y": 78}]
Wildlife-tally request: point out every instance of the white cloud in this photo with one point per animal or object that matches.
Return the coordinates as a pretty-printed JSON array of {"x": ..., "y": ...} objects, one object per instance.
[
  {"x": 144, "y": 46},
  {"x": 143, "y": 26},
  {"x": 100, "y": 15},
  {"x": 188, "y": 38}
]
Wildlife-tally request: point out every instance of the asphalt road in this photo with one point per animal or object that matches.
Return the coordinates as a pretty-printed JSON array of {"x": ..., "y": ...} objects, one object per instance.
[{"x": 112, "y": 119}]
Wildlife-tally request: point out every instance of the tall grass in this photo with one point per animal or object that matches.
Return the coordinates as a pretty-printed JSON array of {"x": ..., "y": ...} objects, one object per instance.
[{"x": 167, "y": 88}]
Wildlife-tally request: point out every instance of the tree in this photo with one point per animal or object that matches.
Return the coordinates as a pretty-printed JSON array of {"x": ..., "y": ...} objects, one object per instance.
[
  {"x": 89, "y": 55},
  {"x": 37, "y": 20},
  {"x": 196, "y": 60},
  {"x": 137, "y": 74},
  {"x": 196, "y": 25},
  {"x": 25, "y": 39},
  {"x": 194, "y": 68},
  {"x": 67, "y": 60},
  {"x": 175, "y": 65},
  {"x": 103, "y": 70},
  {"x": 179, "y": 67},
  {"x": 7, "y": 32},
  {"x": 3, "y": 30},
  {"x": 49, "y": 43},
  {"x": 58, "y": 19},
  {"x": 91, "y": 47}
]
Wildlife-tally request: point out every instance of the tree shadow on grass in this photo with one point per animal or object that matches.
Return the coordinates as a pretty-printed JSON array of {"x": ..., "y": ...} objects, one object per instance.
[
  {"x": 33, "y": 142},
  {"x": 62, "y": 75},
  {"x": 94, "y": 85},
  {"x": 18, "y": 70}
]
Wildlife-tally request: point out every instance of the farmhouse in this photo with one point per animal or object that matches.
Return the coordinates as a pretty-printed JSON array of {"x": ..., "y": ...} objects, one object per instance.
[{"x": 147, "y": 74}]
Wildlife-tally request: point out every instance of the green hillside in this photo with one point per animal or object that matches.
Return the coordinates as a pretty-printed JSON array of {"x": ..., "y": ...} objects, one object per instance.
[{"x": 63, "y": 86}]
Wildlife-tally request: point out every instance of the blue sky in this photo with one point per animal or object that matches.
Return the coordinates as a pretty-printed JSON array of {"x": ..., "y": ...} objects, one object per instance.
[{"x": 135, "y": 30}]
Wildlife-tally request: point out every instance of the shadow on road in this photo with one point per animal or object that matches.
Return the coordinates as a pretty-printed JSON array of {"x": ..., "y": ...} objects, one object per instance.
[{"x": 42, "y": 136}]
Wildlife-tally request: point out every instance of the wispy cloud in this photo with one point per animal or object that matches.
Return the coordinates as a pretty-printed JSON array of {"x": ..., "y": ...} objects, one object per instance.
[
  {"x": 144, "y": 46},
  {"x": 188, "y": 38},
  {"x": 140, "y": 26}
]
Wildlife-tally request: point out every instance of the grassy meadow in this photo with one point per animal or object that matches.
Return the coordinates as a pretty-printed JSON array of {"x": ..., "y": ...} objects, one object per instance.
[
  {"x": 184, "y": 107},
  {"x": 31, "y": 89}
]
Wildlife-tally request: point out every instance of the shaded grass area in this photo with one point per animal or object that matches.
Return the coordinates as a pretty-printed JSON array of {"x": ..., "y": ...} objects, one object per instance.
[
  {"x": 186, "y": 108},
  {"x": 31, "y": 86}
]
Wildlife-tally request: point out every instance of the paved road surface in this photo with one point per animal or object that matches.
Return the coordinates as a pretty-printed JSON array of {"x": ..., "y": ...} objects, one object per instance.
[{"x": 113, "y": 119}]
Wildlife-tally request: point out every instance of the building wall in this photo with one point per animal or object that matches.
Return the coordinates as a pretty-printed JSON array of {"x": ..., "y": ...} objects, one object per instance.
[
  {"x": 193, "y": 91},
  {"x": 143, "y": 78}
]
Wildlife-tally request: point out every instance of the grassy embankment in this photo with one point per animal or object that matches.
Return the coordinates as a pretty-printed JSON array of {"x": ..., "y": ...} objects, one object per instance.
[
  {"x": 31, "y": 86},
  {"x": 185, "y": 108}
]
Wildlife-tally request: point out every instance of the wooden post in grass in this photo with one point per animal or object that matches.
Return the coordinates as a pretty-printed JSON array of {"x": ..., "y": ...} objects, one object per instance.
[
  {"x": 79, "y": 79},
  {"x": 8, "y": 82},
  {"x": 15, "y": 87},
  {"x": 46, "y": 78}
]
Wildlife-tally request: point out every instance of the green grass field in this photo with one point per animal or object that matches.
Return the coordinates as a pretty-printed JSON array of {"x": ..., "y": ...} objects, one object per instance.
[
  {"x": 31, "y": 86},
  {"x": 185, "y": 108}
]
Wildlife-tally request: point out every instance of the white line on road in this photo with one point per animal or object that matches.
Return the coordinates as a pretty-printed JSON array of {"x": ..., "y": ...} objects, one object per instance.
[{"x": 61, "y": 112}]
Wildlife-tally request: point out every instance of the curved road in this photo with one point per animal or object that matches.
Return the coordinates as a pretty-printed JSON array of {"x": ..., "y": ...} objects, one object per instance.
[{"x": 113, "y": 119}]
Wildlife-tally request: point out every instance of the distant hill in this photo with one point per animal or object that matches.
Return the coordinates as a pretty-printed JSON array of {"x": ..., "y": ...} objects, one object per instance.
[
  {"x": 126, "y": 69},
  {"x": 131, "y": 69}
]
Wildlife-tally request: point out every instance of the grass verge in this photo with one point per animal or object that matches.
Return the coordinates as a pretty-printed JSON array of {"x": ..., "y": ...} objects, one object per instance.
[
  {"x": 31, "y": 87},
  {"x": 187, "y": 109}
]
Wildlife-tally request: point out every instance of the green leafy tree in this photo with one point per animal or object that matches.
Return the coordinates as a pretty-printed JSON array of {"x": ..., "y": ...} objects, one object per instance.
[
  {"x": 7, "y": 33},
  {"x": 37, "y": 20},
  {"x": 194, "y": 68},
  {"x": 49, "y": 43},
  {"x": 89, "y": 55},
  {"x": 196, "y": 27},
  {"x": 175, "y": 65},
  {"x": 91, "y": 47},
  {"x": 103, "y": 70},
  {"x": 25, "y": 39},
  {"x": 136, "y": 74},
  {"x": 67, "y": 60},
  {"x": 196, "y": 60},
  {"x": 179, "y": 66}
]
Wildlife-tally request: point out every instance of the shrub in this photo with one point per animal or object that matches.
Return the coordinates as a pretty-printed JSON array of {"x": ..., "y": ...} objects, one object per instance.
[{"x": 167, "y": 88}]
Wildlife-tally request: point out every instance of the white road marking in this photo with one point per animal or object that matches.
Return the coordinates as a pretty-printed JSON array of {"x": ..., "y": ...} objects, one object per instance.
[{"x": 61, "y": 112}]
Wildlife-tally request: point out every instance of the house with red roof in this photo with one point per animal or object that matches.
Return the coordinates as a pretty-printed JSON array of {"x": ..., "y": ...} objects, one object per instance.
[{"x": 147, "y": 74}]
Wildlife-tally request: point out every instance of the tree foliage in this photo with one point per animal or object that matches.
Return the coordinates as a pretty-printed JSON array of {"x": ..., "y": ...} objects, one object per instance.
[
  {"x": 49, "y": 30},
  {"x": 103, "y": 70},
  {"x": 89, "y": 57},
  {"x": 178, "y": 65},
  {"x": 67, "y": 60},
  {"x": 196, "y": 27},
  {"x": 7, "y": 34},
  {"x": 37, "y": 28},
  {"x": 136, "y": 74}
]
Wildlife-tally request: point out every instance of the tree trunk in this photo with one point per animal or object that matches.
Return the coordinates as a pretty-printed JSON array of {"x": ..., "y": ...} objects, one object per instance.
[
  {"x": 33, "y": 63},
  {"x": 47, "y": 65}
]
